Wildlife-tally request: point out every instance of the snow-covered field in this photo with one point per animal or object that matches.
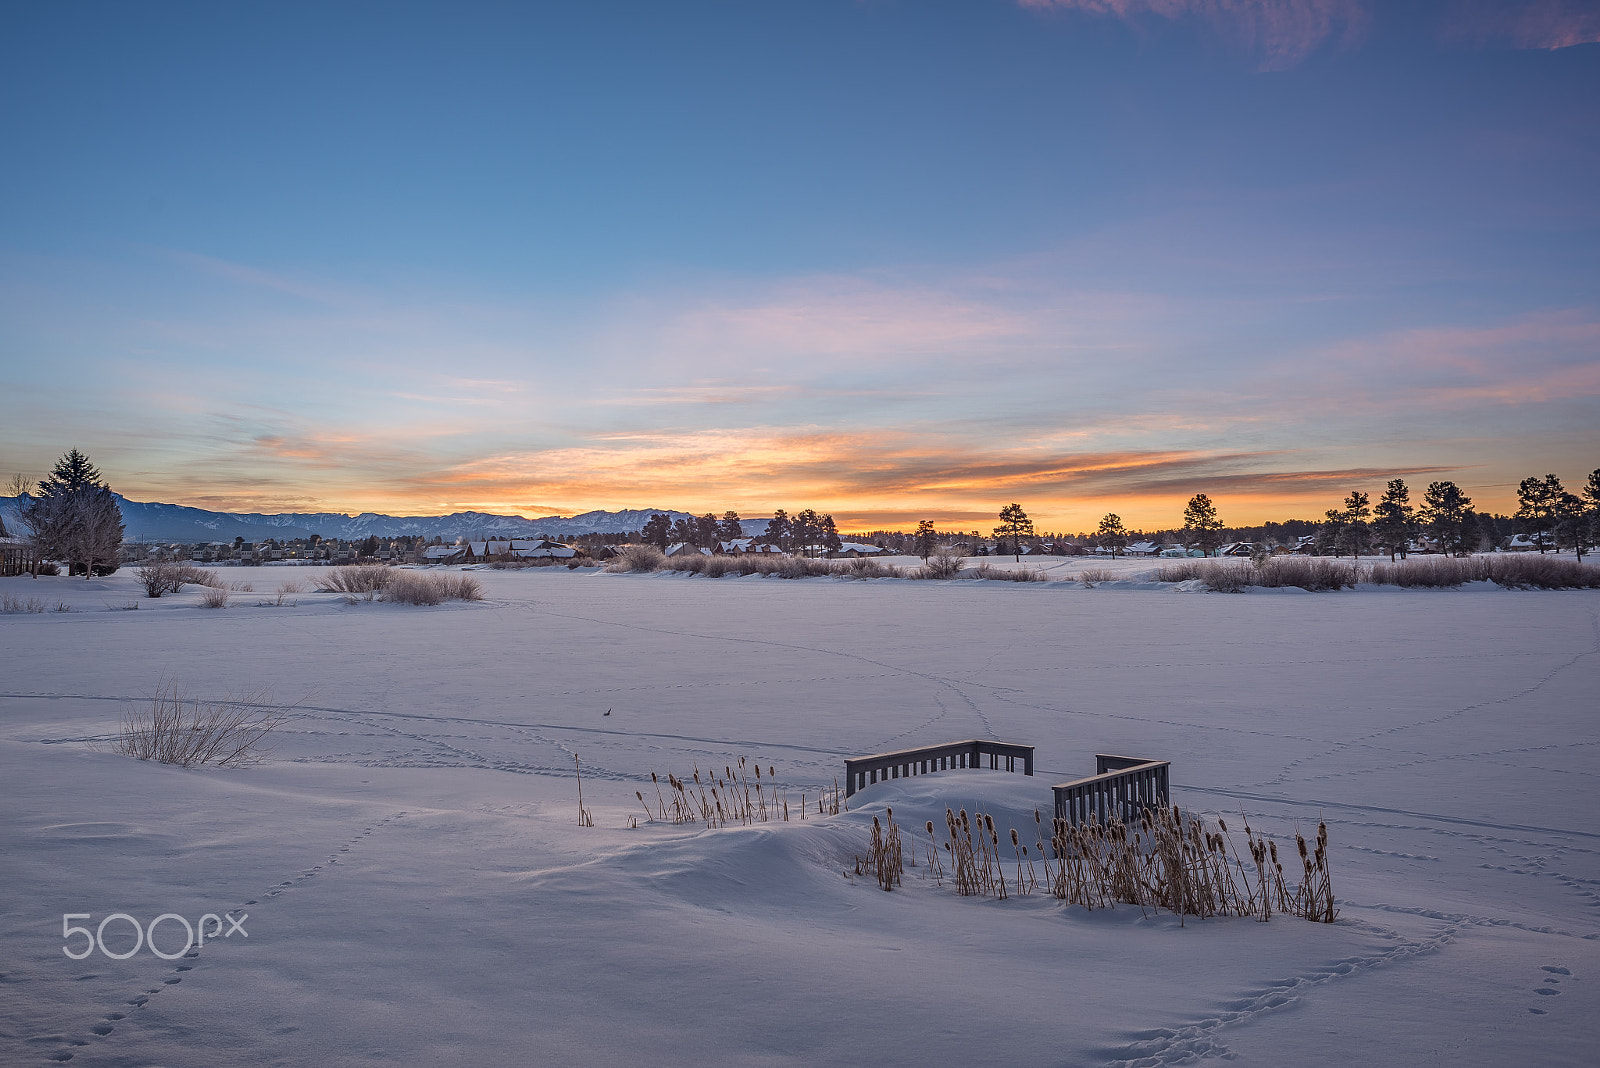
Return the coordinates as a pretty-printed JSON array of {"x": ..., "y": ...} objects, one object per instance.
[{"x": 419, "y": 890}]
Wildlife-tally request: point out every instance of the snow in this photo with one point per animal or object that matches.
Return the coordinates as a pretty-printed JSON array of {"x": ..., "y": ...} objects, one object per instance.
[{"x": 419, "y": 891}]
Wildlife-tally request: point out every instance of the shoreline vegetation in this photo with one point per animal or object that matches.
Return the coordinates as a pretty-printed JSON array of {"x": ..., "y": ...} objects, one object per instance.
[{"x": 1314, "y": 574}]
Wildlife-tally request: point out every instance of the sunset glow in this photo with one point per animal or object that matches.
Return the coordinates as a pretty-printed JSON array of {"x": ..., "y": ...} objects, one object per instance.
[{"x": 890, "y": 261}]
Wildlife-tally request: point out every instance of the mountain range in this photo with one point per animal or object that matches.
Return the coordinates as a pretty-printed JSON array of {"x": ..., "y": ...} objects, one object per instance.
[{"x": 153, "y": 521}]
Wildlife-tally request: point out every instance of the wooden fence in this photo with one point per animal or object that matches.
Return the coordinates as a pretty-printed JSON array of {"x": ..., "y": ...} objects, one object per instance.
[
  {"x": 1121, "y": 787},
  {"x": 861, "y": 772},
  {"x": 16, "y": 557}
]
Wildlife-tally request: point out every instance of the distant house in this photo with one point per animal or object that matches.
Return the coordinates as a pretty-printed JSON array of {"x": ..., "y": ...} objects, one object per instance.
[
  {"x": 852, "y": 549},
  {"x": 683, "y": 548},
  {"x": 1521, "y": 543},
  {"x": 1143, "y": 548},
  {"x": 1237, "y": 548},
  {"x": 445, "y": 554}
]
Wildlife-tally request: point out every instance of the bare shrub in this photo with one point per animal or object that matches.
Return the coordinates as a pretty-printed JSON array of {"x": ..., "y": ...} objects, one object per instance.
[
  {"x": 11, "y": 604},
  {"x": 365, "y": 579},
  {"x": 1536, "y": 571},
  {"x": 717, "y": 566},
  {"x": 1229, "y": 578},
  {"x": 214, "y": 598},
  {"x": 637, "y": 558},
  {"x": 943, "y": 564},
  {"x": 48, "y": 567},
  {"x": 1090, "y": 576},
  {"x": 1308, "y": 573},
  {"x": 1181, "y": 572},
  {"x": 1006, "y": 574},
  {"x": 156, "y": 578},
  {"x": 241, "y": 586},
  {"x": 174, "y": 728}
]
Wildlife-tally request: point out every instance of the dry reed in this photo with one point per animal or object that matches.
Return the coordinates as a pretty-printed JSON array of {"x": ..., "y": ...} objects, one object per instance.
[
  {"x": 1167, "y": 860},
  {"x": 11, "y": 604},
  {"x": 741, "y": 794}
]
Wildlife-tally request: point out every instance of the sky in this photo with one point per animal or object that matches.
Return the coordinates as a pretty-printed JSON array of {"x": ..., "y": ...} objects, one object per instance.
[{"x": 889, "y": 259}]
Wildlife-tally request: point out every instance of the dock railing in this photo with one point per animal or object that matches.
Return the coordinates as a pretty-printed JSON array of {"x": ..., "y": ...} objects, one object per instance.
[
  {"x": 1121, "y": 788},
  {"x": 977, "y": 753}
]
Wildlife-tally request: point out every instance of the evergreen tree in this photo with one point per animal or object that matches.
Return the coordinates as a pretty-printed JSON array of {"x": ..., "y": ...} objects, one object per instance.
[
  {"x": 779, "y": 530},
  {"x": 1356, "y": 533},
  {"x": 1444, "y": 507},
  {"x": 830, "y": 535},
  {"x": 657, "y": 531},
  {"x": 1572, "y": 523},
  {"x": 706, "y": 529},
  {"x": 74, "y": 516},
  {"x": 1112, "y": 534},
  {"x": 1538, "y": 500},
  {"x": 729, "y": 529},
  {"x": 1014, "y": 524},
  {"x": 805, "y": 530},
  {"x": 369, "y": 546},
  {"x": 926, "y": 539},
  {"x": 1392, "y": 524},
  {"x": 1328, "y": 538},
  {"x": 1201, "y": 527}
]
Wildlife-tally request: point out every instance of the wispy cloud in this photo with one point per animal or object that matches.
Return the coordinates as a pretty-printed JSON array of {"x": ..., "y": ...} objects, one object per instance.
[
  {"x": 1281, "y": 32},
  {"x": 1541, "y": 24}
]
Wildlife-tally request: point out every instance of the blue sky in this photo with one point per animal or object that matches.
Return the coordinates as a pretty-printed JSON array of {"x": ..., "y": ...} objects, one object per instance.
[{"x": 892, "y": 260}]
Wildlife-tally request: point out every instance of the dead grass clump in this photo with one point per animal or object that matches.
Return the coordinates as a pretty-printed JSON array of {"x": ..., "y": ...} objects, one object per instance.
[
  {"x": 1429, "y": 571},
  {"x": 1314, "y": 573},
  {"x": 174, "y": 728},
  {"x": 214, "y": 598},
  {"x": 1524, "y": 571},
  {"x": 637, "y": 558},
  {"x": 410, "y": 587},
  {"x": 1183, "y": 571},
  {"x": 865, "y": 567},
  {"x": 369, "y": 580},
  {"x": 1091, "y": 576},
  {"x": 11, "y": 604},
  {"x": 1229, "y": 578},
  {"x": 1007, "y": 574}
]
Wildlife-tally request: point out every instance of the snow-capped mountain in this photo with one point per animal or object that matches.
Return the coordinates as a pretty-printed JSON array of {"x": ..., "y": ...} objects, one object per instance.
[{"x": 152, "y": 521}]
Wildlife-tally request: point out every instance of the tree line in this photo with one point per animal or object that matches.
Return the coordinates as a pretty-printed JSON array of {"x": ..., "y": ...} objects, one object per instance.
[{"x": 807, "y": 531}]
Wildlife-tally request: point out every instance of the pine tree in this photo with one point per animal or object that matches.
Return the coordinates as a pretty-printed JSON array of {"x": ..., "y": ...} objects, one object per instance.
[
  {"x": 1201, "y": 527},
  {"x": 1537, "y": 499},
  {"x": 1392, "y": 524},
  {"x": 1112, "y": 534},
  {"x": 1572, "y": 524},
  {"x": 926, "y": 539},
  {"x": 657, "y": 531},
  {"x": 830, "y": 534},
  {"x": 1014, "y": 524},
  {"x": 1444, "y": 508},
  {"x": 729, "y": 529},
  {"x": 779, "y": 530},
  {"x": 805, "y": 530},
  {"x": 1355, "y": 534},
  {"x": 75, "y": 516}
]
